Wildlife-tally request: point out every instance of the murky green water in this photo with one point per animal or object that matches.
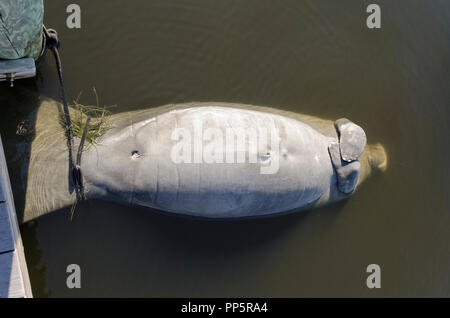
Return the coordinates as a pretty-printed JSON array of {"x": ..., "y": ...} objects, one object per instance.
[{"x": 313, "y": 57}]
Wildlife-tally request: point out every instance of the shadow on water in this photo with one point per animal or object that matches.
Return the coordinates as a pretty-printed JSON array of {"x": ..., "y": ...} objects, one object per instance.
[
  {"x": 155, "y": 252},
  {"x": 36, "y": 270},
  {"x": 17, "y": 130}
]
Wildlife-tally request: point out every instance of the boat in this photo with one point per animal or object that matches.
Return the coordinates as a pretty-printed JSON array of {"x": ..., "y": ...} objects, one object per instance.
[{"x": 22, "y": 39}]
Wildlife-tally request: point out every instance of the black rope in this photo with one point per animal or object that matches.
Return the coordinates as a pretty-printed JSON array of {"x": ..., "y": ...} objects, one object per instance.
[
  {"x": 52, "y": 43},
  {"x": 78, "y": 162}
]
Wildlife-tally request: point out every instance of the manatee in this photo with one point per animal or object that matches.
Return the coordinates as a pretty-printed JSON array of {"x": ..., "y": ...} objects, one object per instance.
[{"x": 154, "y": 158}]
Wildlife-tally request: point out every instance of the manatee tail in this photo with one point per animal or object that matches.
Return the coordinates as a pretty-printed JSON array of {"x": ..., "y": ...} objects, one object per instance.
[{"x": 377, "y": 157}]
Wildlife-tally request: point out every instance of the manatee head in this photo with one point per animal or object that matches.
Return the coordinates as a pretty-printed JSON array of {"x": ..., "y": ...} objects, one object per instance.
[{"x": 353, "y": 159}]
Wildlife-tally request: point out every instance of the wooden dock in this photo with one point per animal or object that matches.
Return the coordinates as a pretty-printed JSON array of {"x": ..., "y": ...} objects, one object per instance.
[{"x": 14, "y": 279}]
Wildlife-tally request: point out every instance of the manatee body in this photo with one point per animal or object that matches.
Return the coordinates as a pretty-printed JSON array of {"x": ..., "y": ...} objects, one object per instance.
[{"x": 177, "y": 158}]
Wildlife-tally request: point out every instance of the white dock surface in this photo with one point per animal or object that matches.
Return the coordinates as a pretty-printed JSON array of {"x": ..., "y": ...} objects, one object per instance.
[{"x": 14, "y": 279}]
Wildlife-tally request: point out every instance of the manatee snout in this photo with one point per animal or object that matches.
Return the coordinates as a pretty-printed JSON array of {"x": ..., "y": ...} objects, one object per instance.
[{"x": 376, "y": 156}]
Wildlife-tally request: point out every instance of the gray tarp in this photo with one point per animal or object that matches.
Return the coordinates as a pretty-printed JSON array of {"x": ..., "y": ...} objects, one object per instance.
[{"x": 21, "y": 28}]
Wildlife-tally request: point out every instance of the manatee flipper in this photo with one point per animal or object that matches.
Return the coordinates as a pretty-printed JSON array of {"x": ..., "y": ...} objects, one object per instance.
[
  {"x": 352, "y": 139},
  {"x": 348, "y": 176},
  {"x": 344, "y": 155},
  {"x": 335, "y": 154}
]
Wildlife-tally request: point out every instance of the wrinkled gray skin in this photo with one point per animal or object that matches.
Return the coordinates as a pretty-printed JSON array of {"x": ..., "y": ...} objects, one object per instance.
[{"x": 132, "y": 164}]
